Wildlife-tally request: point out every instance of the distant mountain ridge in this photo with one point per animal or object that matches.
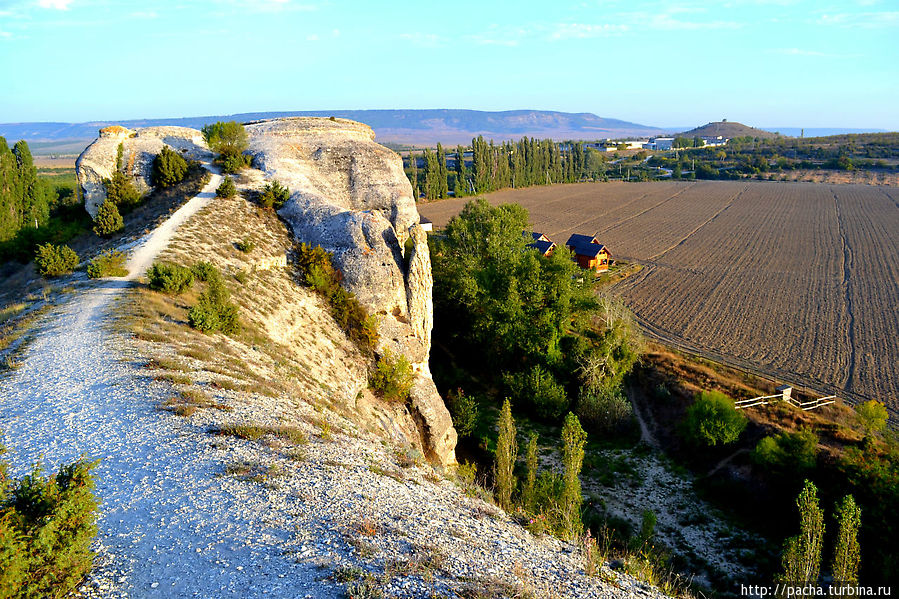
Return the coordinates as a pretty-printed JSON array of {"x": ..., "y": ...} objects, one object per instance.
[{"x": 424, "y": 127}]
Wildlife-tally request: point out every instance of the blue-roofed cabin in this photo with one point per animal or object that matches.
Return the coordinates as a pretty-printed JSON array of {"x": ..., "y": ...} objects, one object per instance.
[
  {"x": 544, "y": 246},
  {"x": 577, "y": 240},
  {"x": 588, "y": 252}
]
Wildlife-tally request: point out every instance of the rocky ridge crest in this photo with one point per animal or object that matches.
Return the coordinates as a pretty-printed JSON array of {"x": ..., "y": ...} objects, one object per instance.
[{"x": 350, "y": 196}]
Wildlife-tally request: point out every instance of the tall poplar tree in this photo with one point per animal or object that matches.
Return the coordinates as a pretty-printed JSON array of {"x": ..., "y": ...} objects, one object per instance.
[
  {"x": 846, "y": 552},
  {"x": 442, "y": 174},
  {"x": 802, "y": 554}
]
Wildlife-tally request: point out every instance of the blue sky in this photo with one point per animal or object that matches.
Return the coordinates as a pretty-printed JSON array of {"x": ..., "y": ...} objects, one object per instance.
[{"x": 766, "y": 63}]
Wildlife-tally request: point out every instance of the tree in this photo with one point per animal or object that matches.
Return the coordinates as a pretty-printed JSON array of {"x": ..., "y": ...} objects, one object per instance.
[
  {"x": 802, "y": 554},
  {"x": 530, "y": 473},
  {"x": 121, "y": 191},
  {"x": 872, "y": 415},
  {"x": 506, "y": 452},
  {"x": 712, "y": 419},
  {"x": 55, "y": 260},
  {"x": 169, "y": 168},
  {"x": 274, "y": 195},
  {"x": 108, "y": 220},
  {"x": 442, "y": 188},
  {"x": 461, "y": 188},
  {"x": 226, "y": 137},
  {"x": 573, "y": 440},
  {"x": 413, "y": 175},
  {"x": 512, "y": 303},
  {"x": 227, "y": 189},
  {"x": 25, "y": 199},
  {"x": 844, "y": 568},
  {"x": 230, "y": 140}
]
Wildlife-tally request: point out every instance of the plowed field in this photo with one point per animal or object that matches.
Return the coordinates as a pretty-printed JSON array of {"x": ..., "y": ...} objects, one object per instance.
[{"x": 798, "y": 281}]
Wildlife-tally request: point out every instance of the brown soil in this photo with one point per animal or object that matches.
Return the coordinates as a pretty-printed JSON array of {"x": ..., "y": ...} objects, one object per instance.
[{"x": 794, "y": 280}]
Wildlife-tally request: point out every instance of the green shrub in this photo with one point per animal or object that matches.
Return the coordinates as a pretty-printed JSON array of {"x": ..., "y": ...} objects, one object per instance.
[
  {"x": 318, "y": 272},
  {"x": 205, "y": 271},
  {"x": 55, "y": 260},
  {"x": 108, "y": 220},
  {"x": 603, "y": 408},
  {"x": 46, "y": 528},
  {"x": 392, "y": 377},
  {"x": 539, "y": 388},
  {"x": 245, "y": 245},
  {"x": 788, "y": 451},
  {"x": 169, "y": 168},
  {"x": 229, "y": 140},
  {"x": 214, "y": 311},
  {"x": 464, "y": 411},
  {"x": 226, "y": 189},
  {"x": 170, "y": 278},
  {"x": 110, "y": 263},
  {"x": 872, "y": 415},
  {"x": 226, "y": 137},
  {"x": 233, "y": 162},
  {"x": 274, "y": 195},
  {"x": 120, "y": 190},
  {"x": 712, "y": 419}
]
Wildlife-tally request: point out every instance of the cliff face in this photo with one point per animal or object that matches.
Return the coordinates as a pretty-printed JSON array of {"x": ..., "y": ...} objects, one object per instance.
[
  {"x": 140, "y": 147},
  {"x": 350, "y": 196}
]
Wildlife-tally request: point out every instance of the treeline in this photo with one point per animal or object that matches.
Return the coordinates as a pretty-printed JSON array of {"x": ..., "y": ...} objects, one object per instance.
[
  {"x": 486, "y": 166},
  {"x": 25, "y": 199},
  {"x": 35, "y": 208}
]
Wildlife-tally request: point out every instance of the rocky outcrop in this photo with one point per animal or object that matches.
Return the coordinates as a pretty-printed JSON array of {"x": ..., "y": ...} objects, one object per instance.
[
  {"x": 351, "y": 196},
  {"x": 139, "y": 148}
]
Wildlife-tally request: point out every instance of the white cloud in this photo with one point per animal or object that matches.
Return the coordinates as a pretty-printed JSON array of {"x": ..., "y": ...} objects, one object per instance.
[
  {"x": 55, "y": 4},
  {"x": 5, "y": 35},
  {"x": 312, "y": 38},
  {"x": 868, "y": 20},
  {"x": 564, "y": 31}
]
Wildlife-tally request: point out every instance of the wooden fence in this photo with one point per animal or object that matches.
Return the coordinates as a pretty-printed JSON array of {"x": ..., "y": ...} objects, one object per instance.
[{"x": 769, "y": 399}]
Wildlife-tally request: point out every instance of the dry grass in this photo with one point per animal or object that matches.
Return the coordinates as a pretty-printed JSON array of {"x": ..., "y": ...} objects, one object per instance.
[
  {"x": 187, "y": 402},
  {"x": 255, "y": 432}
]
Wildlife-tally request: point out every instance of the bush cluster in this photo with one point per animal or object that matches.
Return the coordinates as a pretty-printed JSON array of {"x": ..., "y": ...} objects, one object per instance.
[
  {"x": 227, "y": 189},
  {"x": 169, "y": 168},
  {"x": 246, "y": 245},
  {"x": 55, "y": 260},
  {"x": 391, "y": 378},
  {"x": 204, "y": 271},
  {"x": 712, "y": 419},
  {"x": 539, "y": 386},
  {"x": 214, "y": 310},
  {"x": 120, "y": 190},
  {"x": 464, "y": 411},
  {"x": 110, "y": 263},
  {"x": 603, "y": 408},
  {"x": 552, "y": 500},
  {"x": 787, "y": 452},
  {"x": 108, "y": 220},
  {"x": 229, "y": 139},
  {"x": 46, "y": 528},
  {"x": 318, "y": 272},
  {"x": 274, "y": 195},
  {"x": 169, "y": 278}
]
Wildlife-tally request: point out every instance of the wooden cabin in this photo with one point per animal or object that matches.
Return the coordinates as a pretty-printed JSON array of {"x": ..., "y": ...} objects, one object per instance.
[
  {"x": 589, "y": 253},
  {"x": 542, "y": 244}
]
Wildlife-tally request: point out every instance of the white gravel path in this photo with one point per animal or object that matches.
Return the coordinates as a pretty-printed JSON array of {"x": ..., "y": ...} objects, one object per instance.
[{"x": 169, "y": 524}]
